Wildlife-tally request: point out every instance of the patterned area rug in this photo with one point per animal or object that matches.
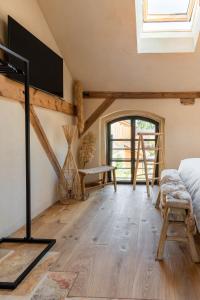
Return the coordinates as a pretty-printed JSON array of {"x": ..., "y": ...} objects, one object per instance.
[
  {"x": 54, "y": 286},
  {"x": 25, "y": 290},
  {"x": 14, "y": 264}
]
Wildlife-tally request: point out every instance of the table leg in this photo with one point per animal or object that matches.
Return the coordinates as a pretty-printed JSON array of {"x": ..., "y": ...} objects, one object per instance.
[{"x": 114, "y": 180}]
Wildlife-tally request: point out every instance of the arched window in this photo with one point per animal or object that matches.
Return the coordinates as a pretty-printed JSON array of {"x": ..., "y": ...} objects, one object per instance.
[{"x": 122, "y": 139}]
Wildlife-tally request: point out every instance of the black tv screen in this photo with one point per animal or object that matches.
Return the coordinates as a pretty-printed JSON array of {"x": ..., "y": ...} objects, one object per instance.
[{"x": 46, "y": 67}]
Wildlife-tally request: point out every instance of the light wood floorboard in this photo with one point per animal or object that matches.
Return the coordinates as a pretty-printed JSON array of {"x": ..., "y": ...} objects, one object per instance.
[{"x": 110, "y": 242}]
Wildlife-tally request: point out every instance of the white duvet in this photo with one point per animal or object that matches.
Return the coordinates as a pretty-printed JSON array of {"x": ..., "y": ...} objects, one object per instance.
[{"x": 189, "y": 171}]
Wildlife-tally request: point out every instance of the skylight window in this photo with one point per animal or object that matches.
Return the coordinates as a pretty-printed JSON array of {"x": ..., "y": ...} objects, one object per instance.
[
  {"x": 168, "y": 7},
  {"x": 167, "y": 11},
  {"x": 165, "y": 26}
]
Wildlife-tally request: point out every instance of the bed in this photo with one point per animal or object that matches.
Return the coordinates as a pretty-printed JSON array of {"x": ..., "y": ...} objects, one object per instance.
[
  {"x": 176, "y": 203},
  {"x": 189, "y": 171}
]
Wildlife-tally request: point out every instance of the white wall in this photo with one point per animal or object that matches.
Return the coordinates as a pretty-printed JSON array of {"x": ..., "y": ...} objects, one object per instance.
[
  {"x": 182, "y": 125},
  {"x": 12, "y": 159}
]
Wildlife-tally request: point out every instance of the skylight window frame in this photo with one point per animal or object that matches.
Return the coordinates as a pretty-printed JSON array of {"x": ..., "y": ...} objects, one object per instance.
[
  {"x": 176, "y": 17},
  {"x": 175, "y": 40}
]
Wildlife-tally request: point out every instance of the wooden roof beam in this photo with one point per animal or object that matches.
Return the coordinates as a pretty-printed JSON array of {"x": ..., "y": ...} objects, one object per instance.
[
  {"x": 44, "y": 140},
  {"x": 12, "y": 90},
  {"x": 97, "y": 113},
  {"x": 141, "y": 95}
]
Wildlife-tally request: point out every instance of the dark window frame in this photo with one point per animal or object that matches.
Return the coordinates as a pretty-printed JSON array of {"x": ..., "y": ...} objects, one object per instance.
[{"x": 132, "y": 140}]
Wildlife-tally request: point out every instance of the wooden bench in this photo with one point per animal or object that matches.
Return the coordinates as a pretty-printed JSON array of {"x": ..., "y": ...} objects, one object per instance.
[
  {"x": 176, "y": 207},
  {"x": 93, "y": 171}
]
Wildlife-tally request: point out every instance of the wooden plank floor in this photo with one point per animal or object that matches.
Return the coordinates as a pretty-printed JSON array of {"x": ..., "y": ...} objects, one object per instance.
[{"x": 109, "y": 242}]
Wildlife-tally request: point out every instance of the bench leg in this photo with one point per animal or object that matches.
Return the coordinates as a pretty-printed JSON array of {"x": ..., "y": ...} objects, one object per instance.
[
  {"x": 192, "y": 246},
  {"x": 82, "y": 179},
  {"x": 163, "y": 236},
  {"x": 190, "y": 230},
  {"x": 114, "y": 180},
  {"x": 104, "y": 179},
  {"x": 158, "y": 200}
]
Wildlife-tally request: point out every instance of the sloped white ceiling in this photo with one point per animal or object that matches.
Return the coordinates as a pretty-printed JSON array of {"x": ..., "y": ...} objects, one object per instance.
[{"x": 98, "y": 41}]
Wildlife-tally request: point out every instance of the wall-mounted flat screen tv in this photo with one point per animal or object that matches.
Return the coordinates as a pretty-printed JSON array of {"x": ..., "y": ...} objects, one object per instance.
[{"x": 46, "y": 67}]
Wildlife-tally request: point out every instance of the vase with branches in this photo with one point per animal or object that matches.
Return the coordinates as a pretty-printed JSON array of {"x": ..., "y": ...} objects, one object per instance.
[{"x": 87, "y": 149}]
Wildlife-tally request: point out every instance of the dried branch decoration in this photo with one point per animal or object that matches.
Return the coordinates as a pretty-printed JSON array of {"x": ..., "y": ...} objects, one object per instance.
[
  {"x": 78, "y": 93},
  {"x": 87, "y": 149}
]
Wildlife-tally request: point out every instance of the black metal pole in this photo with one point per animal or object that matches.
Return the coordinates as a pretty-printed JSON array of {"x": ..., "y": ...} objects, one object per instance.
[
  {"x": 27, "y": 137},
  {"x": 27, "y": 148},
  {"x": 27, "y": 239}
]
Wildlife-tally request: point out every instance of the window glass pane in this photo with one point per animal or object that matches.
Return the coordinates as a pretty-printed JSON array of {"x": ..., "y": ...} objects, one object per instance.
[
  {"x": 121, "y": 164},
  {"x": 123, "y": 171},
  {"x": 121, "y": 144},
  {"x": 141, "y": 171},
  {"x": 147, "y": 144},
  {"x": 144, "y": 126},
  {"x": 150, "y": 154},
  {"x": 147, "y": 137},
  {"x": 149, "y": 167},
  {"x": 121, "y": 130},
  {"x": 168, "y": 7},
  {"x": 123, "y": 174},
  {"x": 121, "y": 154}
]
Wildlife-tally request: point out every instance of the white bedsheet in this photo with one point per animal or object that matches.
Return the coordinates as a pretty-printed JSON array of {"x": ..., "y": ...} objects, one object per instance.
[{"x": 189, "y": 171}]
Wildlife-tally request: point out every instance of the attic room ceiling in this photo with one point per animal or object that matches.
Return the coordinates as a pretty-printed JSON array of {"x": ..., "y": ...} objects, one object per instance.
[{"x": 98, "y": 41}]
